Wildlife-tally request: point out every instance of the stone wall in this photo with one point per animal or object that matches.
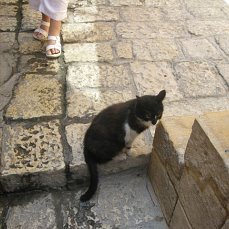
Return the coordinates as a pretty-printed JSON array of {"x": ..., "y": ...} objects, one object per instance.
[{"x": 189, "y": 170}]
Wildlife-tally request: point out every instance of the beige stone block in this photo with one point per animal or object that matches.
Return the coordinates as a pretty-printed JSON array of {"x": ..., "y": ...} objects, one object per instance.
[
  {"x": 156, "y": 49},
  {"x": 88, "y": 32},
  {"x": 35, "y": 96},
  {"x": 162, "y": 186},
  {"x": 88, "y": 102},
  {"x": 163, "y": 3},
  {"x": 85, "y": 52},
  {"x": 208, "y": 12},
  {"x": 200, "y": 49},
  {"x": 32, "y": 156},
  {"x": 150, "y": 78},
  {"x": 223, "y": 42},
  {"x": 198, "y": 79},
  {"x": 8, "y": 10},
  {"x": 85, "y": 3},
  {"x": 7, "y": 41},
  {"x": 224, "y": 71},
  {"x": 202, "y": 207},
  {"x": 94, "y": 75},
  {"x": 126, "y": 2},
  {"x": 124, "y": 50},
  {"x": 205, "y": 4},
  {"x": 92, "y": 13},
  {"x": 179, "y": 219},
  {"x": 153, "y": 29},
  {"x": 8, "y": 23},
  {"x": 207, "y": 27},
  {"x": 207, "y": 150},
  {"x": 9, "y": 1},
  {"x": 170, "y": 142},
  {"x": 27, "y": 44},
  {"x": 30, "y": 18}
]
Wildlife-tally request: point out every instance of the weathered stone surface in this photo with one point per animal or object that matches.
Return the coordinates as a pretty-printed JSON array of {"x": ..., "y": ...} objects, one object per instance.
[
  {"x": 27, "y": 44},
  {"x": 8, "y": 23},
  {"x": 88, "y": 32},
  {"x": 94, "y": 75},
  {"x": 226, "y": 225},
  {"x": 207, "y": 149},
  {"x": 32, "y": 156},
  {"x": 223, "y": 41},
  {"x": 35, "y": 96},
  {"x": 200, "y": 49},
  {"x": 126, "y": 2},
  {"x": 163, "y": 3},
  {"x": 201, "y": 205},
  {"x": 92, "y": 14},
  {"x": 224, "y": 71},
  {"x": 162, "y": 186},
  {"x": 156, "y": 49},
  {"x": 124, "y": 50},
  {"x": 199, "y": 79},
  {"x": 153, "y": 29},
  {"x": 150, "y": 78},
  {"x": 207, "y": 28},
  {"x": 179, "y": 219},
  {"x": 7, "y": 41},
  {"x": 8, "y": 10},
  {"x": 88, "y": 52},
  {"x": 84, "y": 3},
  {"x": 7, "y": 66},
  {"x": 170, "y": 142},
  {"x": 86, "y": 103},
  {"x": 205, "y": 4},
  {"x": 30, "y": 18},
  {"x": 38, "y": 213}
]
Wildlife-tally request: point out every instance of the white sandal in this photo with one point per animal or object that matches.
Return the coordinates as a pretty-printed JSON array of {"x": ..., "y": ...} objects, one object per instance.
[
  {"x": 57, "y": 46},
  {"x": 41, "y": 31}
]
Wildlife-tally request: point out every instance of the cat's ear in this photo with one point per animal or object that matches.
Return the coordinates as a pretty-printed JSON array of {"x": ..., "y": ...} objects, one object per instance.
[{"x": 161, "y": 95}]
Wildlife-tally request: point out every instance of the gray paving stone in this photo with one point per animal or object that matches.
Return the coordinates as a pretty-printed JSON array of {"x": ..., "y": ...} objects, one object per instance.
[
  {"x": 153, "y": 29},
  {"x": 35, "y": 96},
  {"x": 88, "y": 32},
  {"x": 200, "y": 49},
  {"x": 32, "y": 156},
  {"x": 83, "y": 3},
  {"x": 223, "y": 41},
  {"x": 126, "y": 2},
  {"x": 92, "y": 14},
  {"x": 156, "y": 49},
  {"x": 150, "y": 78},
  {"x": 207, "y": 27},
  {"x": 7, "y": 41},
  {"x": 163, "y": 3},
  {"x": 124, "y": 49},
  {"x": 9, "y": 1},
  {"x": 37, "y": 213},
  {"x": 85, "y": 52},
  {"x": 97, "y": 75},
  {"x": 8, "y": 10},
  {"x": 199, "y": 79},
  {"x": 205, "y": 4},
  {"x": 7, "y": 23}
]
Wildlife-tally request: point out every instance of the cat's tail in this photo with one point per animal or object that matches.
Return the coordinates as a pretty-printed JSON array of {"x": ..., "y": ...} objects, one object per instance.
[{"x": 93, "y": 172}]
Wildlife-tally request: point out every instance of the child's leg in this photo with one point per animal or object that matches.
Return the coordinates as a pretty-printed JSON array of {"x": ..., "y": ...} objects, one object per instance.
[{"x": 39, "y": 35}]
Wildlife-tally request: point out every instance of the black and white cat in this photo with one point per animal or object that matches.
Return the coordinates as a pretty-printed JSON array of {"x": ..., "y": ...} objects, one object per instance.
[{"x": 114, "y": 129}]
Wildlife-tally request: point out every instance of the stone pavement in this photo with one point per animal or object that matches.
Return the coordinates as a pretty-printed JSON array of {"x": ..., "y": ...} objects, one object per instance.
[{"x": 113, "y": 50}]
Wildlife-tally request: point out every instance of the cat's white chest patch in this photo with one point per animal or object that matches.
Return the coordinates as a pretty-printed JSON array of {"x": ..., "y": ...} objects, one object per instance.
[{"x": 130, "y": 135}]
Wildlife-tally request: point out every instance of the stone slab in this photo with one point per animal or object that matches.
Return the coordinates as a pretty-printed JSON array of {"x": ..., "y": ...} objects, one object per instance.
[
  {"x": 199, "y": 79},
  {"x": 156, "y": 49},
  {"x": 85, "y": 52},
  {"x": 8, "y": 24},
  {"x": 85, "y": 103},
  {"x": 200, "y": 49},
  {"x": 150, "y": 78},
  {"x": 207, "y": 150},
  {"x": 138, "y": 155},
  {"x": 73, "y": 4},
  {"x": 37, "y": 213},
  {"x": 223, "y": 42},
  {"x": 97, "y": 75},
  {"x": 162, "y": 186},
  {"x": 7, "y": 41},
  {"x": 202, "y": 200},
  {"x": 92, "y": 14},
  {"x": 224, "y": 71},
  {"x": 205, "y": 4},
  {"x": 163, "y": 3},
  {"x": 179, "y": 219},
  {"x": 8, "y": 10},
  {"x": 126, "y": 2},
  {"x": 35, "y": 96},
  {"x": 88, "y": 32},
  {"x": 32, "y": 156},
  {"x": 124, "y": 49}
]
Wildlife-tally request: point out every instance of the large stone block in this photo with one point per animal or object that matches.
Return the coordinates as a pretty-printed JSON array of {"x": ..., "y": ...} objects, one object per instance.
[
  {"x": 32, "y": 156},
  {"x": 207, "y": 151},
  {"x": 8, "y": 23},
  {"x": 7, "y": 41},
  {"x": 162, "y": 186},
  {"x": 35, "y": 96},
  {"x": 170, "y": 142},
  {"x": 224, "y": 71},
  {"x": 201, "y": 205},
  {"x": 223, "y": 42}
]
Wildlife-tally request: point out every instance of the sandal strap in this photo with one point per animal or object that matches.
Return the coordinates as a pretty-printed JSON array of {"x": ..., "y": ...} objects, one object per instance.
[
  {"x": 45, "y": 23},
  {"x": 43, "y": 32},
  {"x": 54, "y": 38},
  {"x": 56, "y": 46}
]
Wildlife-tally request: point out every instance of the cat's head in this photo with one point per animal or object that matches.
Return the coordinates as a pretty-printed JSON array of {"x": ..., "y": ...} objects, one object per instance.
[{"x": 149, "y": 108}]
